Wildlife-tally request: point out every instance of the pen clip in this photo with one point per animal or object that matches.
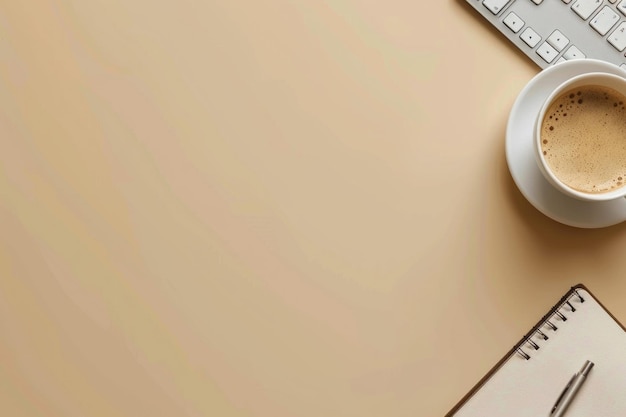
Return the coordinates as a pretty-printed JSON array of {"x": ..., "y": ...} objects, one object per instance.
[{"x": 567, "y": 387}]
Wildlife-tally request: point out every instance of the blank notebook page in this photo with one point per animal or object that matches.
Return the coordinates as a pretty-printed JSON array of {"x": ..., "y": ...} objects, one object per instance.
[{"x": 530, "y": 387}]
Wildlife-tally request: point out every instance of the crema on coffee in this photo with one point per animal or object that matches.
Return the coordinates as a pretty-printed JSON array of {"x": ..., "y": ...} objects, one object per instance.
[{"x": 583, "y": 139}]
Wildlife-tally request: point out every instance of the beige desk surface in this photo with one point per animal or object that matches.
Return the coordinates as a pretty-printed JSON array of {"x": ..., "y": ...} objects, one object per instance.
[{"x": 266, "y": 208}]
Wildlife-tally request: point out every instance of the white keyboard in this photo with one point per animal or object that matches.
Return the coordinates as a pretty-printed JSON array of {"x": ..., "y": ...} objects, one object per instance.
[{"x": 553, "y": 31}]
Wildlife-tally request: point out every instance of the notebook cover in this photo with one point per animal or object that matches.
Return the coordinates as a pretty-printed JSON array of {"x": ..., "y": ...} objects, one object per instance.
[{"x": 514, "y": 350}]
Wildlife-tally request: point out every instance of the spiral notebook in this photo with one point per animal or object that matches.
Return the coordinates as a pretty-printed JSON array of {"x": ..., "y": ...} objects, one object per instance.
[{"x": 532, "y": 375}]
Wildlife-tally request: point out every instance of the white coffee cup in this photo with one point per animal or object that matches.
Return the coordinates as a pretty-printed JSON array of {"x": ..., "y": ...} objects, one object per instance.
[{"x": 614, "y": 82}]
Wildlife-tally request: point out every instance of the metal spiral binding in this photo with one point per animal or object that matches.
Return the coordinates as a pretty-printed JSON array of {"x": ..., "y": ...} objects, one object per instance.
[
  {"x": 555, "y": 311},
  {"x": 542, "y": 334}
]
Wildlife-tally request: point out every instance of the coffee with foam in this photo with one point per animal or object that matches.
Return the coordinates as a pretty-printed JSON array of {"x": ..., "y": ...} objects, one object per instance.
[{"x": 583, "y": 139}]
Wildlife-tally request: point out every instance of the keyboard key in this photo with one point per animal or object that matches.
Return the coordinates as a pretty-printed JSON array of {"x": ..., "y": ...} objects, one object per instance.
[
  {"x": 557, "y": 40},
  {"x": 618, "y": 37},
  {"x": 495, "y": 6},
  {"x": 604, "y": 20},
  {"x": 573, "y": 53},
  {"x": 612, "y": 1},
  {"x": 622, "y": 7},
  {"x": 567, "y": 1},
  {"x": 547, "y": 52},
  {"x": 561, "y": 59},
  {"x": 513, "y": 22},
  {"x": 531, "y": 37},
  {"x": 585, "y": 8}
]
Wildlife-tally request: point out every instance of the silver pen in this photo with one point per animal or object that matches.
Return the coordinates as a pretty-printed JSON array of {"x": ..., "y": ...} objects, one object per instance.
[{"x": 570, "y": 391}]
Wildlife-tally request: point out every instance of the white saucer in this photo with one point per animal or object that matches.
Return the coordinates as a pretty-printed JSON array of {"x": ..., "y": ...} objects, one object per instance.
[{"x": 523, "y": 165}]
